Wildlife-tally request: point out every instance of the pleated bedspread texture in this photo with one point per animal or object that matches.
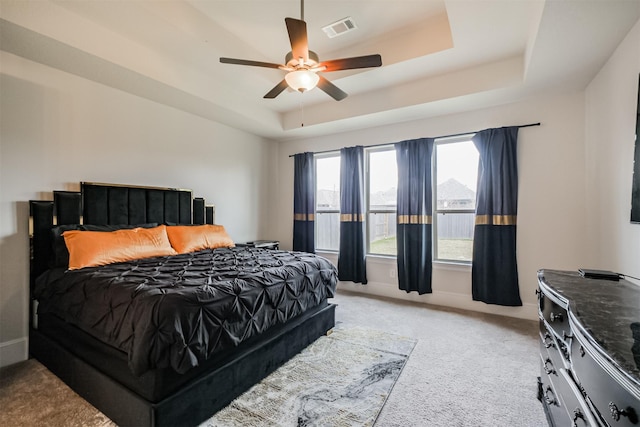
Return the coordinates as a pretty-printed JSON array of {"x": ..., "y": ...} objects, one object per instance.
[{"x": 178, "y": 311}]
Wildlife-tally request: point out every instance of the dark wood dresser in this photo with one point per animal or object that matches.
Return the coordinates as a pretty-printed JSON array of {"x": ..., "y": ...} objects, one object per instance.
[{"x": 589, "y": 350}]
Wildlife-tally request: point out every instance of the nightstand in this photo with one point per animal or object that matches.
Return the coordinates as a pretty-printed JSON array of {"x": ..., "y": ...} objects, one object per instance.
[{"x": 264, "y": 244}]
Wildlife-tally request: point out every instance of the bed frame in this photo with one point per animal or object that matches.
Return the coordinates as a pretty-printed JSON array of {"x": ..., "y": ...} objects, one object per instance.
[{"x": 203, "y": 392}]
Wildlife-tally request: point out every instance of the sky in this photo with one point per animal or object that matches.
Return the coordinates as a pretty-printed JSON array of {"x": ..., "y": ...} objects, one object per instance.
[{"x": 455, "y": 160}]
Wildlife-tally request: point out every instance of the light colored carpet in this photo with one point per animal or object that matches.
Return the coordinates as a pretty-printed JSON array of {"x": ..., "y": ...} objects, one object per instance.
[
  {"x": 30, "y": 395},
  {"x": 467, "y": 369}
]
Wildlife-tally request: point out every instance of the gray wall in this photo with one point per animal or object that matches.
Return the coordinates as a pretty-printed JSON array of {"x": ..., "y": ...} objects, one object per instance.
[
  {"x": 551, "y": 221},
  {"x": 58, "y": 129},
  {"x": 611, "y": 119}
]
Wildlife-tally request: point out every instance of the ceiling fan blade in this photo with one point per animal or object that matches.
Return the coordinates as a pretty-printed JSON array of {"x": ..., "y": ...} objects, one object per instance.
[
  {"x": 332, "y": 90},
  {"x": 297, "y": 30},
  {"x": 276, "y": 90},
  {"x": 352, "y": 63},
  {"x": 247, "y": 62}
]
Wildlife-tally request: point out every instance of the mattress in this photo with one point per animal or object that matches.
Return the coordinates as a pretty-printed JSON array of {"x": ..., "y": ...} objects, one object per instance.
[{"x": 179, "y": 311}]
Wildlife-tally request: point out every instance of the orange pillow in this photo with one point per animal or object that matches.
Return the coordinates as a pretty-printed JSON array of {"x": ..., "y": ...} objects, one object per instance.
[
  {"x": 191, "y": 238},
  {"x": 93, "y": 248}
]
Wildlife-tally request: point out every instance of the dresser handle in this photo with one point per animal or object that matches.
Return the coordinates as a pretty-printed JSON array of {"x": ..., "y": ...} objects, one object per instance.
[
  {"x": 616, "y": 413},
  {"x": 538, "y": 292},
  {"x": 577, "y": 413},
  {"x": 566, "y": 336},
  {"x": 547, "y": 336},
  {"x": 553, "y": 317},
  {"x": 549, "y": 371},
  {"x": 549, "y": 400},
  {"x": 582, "y": 352}
]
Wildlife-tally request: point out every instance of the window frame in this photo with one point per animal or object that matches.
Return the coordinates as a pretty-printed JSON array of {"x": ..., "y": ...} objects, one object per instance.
[
  {"x": 367, "y": 190},
  {"x": 436, "y": 211},
  {"x": 316, "y": 211},
  {"x": 368, "y": 211}
]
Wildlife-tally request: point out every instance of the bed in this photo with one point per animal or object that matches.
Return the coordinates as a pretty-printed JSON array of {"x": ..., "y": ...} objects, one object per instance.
[{"x": 169, "y": 338}]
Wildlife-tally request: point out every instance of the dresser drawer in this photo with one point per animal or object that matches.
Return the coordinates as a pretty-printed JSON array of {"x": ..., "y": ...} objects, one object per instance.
[
  {"x": 603, "y": 384},
  {"x": 550, "y": 398},
  {"x": 551, "y": 359},
  {"x": 578, "y": 410},
  {"x": 555, "y": 315},
  {"x": 563, "y": 399},
  {"x": 556, "y": 349}
]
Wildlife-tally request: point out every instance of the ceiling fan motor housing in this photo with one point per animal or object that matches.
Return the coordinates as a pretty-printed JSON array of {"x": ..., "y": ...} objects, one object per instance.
[{"x": 295, "y": 62}]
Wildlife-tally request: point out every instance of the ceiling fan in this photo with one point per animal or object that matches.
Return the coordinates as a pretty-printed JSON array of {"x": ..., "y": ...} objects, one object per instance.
[{"x": 303, "y": 65}]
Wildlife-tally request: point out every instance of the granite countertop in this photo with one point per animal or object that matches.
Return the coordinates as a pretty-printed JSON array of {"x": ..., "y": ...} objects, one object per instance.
[{"x": 608, "y": 310}]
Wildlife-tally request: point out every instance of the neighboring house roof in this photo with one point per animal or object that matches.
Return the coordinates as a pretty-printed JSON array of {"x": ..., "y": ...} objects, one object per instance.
[
  {"x": 328, "y": 198},
  {"x": 452, "y": 189},
  {"x": 385, "y": 198}
]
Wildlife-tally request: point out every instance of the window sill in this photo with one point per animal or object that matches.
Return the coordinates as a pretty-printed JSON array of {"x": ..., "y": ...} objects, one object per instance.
[
  {"x": 325, "y": 252},
  {"x": 382, "y": 259},
  {"x": 391, "y": 259},
  {"x": 452, "y": 265}
]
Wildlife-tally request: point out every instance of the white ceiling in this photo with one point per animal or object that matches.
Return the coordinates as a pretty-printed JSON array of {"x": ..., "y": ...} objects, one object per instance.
[{"x": 439, "y": 56}]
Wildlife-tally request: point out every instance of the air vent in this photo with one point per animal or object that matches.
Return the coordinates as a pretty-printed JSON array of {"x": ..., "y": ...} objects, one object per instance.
[{"x": 340, "y": 27}]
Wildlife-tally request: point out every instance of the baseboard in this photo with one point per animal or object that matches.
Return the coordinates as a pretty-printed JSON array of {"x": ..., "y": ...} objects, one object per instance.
[
  {"x": 447, "y": 299},
  {"x": 13, "y": 351}
]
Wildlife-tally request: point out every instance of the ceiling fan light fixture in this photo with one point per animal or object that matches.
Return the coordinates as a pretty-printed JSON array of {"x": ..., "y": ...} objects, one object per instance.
[{"x": 302, "y": 80}]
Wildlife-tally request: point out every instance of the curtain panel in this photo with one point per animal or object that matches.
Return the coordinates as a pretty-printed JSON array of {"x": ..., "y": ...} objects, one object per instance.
[
  {"x": 304, "y": 188},
  {"x": 494, "y": 269},
  {"x": 352, "y": 255},
  {"x": 414, "y": 215}
]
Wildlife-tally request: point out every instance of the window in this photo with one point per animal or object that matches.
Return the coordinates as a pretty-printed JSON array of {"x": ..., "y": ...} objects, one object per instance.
[
  {"x": 456, "y": 173},
  {"x": 382, "y": 183},
  {"x": 327, "y": 218}
]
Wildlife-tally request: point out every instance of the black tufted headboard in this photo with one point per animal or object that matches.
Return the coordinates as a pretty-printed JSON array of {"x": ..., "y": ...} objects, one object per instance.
[{"x": 109, "y": 204}]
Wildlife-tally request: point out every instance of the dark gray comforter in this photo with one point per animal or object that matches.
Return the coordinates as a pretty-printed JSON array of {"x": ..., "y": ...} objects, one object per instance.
[{"x": 178, "y": 311}]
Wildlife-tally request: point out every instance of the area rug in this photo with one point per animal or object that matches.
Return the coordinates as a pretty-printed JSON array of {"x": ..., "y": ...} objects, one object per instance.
[{"x": 340, "y": 380}]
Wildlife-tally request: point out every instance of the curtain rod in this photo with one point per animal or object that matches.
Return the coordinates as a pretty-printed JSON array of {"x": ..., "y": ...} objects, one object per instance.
[{"x": 437, "y": 137}]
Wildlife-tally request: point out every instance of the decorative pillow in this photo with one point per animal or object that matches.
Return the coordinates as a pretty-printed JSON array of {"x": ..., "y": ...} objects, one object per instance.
[
  {"x": 60, "y": 252},
  {"x": 94, "y": 248},
  {"x": 191, "y": 238}
]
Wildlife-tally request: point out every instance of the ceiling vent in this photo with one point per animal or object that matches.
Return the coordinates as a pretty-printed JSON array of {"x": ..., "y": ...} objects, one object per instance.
[{"x": 340, "y": 27}]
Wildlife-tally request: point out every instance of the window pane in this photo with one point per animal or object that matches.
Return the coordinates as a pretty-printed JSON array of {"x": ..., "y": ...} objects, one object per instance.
[
  {"x": 328, "y": 183},
  {"x": 383, "y": 180},
  {"x": 454, "y": 232},
  {"x": 382, "y": 234},
  {"x": 457, "y": 171},
  {"x": 328, "y": 231}
]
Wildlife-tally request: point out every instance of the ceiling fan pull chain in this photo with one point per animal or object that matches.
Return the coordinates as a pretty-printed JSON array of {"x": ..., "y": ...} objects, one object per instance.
[{"x": 301, "y": 110}]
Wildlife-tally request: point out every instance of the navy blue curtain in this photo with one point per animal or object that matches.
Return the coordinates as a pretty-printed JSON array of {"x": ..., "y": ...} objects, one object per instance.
[
  {"x": 414, "y": 219},
  {"x": 494, "y": 269},
  {"x": 352, "y": 255},
  {"x": 304, "y": 201}
]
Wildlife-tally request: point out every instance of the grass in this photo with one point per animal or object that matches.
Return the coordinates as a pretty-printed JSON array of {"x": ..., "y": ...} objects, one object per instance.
[
  {"x": 386, "y": 246},
  {"x": 455, "y": 249},
  {"x": 448, "y": 249}
]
